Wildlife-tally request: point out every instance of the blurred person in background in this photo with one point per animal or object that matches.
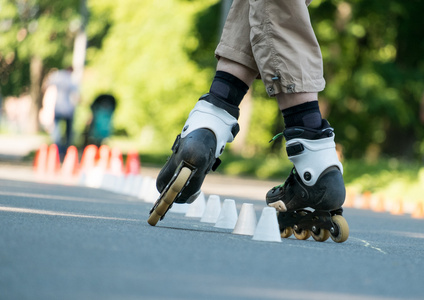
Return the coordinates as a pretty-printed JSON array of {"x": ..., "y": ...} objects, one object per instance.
[
  {"x": 60, "y": 98},
  {"x": 99, "y": 127}
]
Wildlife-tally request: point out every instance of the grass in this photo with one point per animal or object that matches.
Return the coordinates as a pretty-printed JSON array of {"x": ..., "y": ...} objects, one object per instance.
[{"x": 390, "y": 178}]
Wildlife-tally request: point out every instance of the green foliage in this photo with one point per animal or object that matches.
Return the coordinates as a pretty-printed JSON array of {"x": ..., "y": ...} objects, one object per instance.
[
  {"x": 144, "y": 61},
  {"x": 44, "y": 29},
  {"x": 374, "y": 70},
  {"x": 262, "y": 127},
  {"x": 157, "y": 58},
  {"x": 205, "y": 29},
  {"x": 392, "y": 178}
]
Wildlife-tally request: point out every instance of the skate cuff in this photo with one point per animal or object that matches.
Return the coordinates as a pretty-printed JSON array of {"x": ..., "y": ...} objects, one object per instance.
[
  {"x": 216, "y": 119},
  {"x": 312, "y": 157},
  {"x": 231, "y": 109}
]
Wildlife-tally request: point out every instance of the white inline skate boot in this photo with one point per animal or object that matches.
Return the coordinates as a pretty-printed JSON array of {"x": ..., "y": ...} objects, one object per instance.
[
  {"x": 315, "y": 182},
  {"x": 210, "y": 126}
]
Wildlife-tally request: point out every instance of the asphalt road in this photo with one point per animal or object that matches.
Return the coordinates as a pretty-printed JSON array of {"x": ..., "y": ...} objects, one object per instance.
[{"x": 68, "y": 242}]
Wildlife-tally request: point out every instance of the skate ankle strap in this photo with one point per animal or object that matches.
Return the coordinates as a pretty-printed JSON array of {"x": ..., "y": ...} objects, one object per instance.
[
  {"x": 216, "y": 164},
  {"x": 294, "y": 149}
]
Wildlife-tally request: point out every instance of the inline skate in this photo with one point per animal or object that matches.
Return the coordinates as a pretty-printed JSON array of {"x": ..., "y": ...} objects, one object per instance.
[
  {"x": 310, "y": 200},
  {"x": 211, "y": 124}
]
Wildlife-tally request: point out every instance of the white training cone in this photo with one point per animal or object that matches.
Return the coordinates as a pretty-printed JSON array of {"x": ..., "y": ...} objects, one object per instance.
[
  {"x": 138, "y": 181},
  {"x": 108, "y": 182},
  {"x": 268, "y": 229},
  {"x": 82, "y": 178},
  {"x": 179, "y": 208},
  {"x": 144, "y": 189},
  {"x": 246, "y": 223},
  {"x": 119, "y": 184},
  {"x": 128, "y": 184},
  {"x": 152, "y": 192},
  {"x": 94, "y": 178},
  {"x": 228, "y": 217},
  {"x": 212, "y": 210},
  {"x": 197, "y": 208}
]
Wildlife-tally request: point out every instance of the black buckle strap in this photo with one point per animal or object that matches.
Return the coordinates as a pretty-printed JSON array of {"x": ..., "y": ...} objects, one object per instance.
[
  {"x": 235, "y": 129},
  {"x": 176, "y": 144},
  {"x": 216, "y": 164},
  {"x": 294, "y": 149}
]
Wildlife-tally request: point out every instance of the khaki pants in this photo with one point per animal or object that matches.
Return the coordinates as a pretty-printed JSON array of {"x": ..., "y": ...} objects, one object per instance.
[{"x": 276, "y": 39}]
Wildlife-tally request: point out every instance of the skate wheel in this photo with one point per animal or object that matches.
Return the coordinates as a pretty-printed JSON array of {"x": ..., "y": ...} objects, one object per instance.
[
  {"x": 180, "y": 182},
  {"x": 321, "y": 236},
  {"x": 287, "y": 232},
  {"x": 173, "y": 191},
  {"x": 342, "y": 229},
  {"x": 303, "y": 234},
  {"x": 153, "y": 218},
  {"x": 169, "y": 196}
]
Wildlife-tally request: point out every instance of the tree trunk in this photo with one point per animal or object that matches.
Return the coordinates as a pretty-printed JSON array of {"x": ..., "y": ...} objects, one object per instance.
[
  {"x": 80, "y": 46},
  {"x": 36, "y": 75}
]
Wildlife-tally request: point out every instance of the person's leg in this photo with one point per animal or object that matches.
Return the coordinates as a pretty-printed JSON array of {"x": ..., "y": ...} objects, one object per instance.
[
  {"x": 69, "y": 131},
  {"x": 289, "y": 60},
  {"x": 56, "y": 134},
  {"x": 285, "y": 49},
  {"x": 58, "y": 137},
  {"x": 289, "y": 100},
  {"x": 238, "y": 70}
]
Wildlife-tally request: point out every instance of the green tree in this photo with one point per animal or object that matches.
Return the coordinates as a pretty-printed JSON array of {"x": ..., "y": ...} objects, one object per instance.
[
  {"x": 157, "y": 58},
  {"x": 36, "y": 35},
  {"x": 375, "y": 73},
  {"x": 144, "y": 61},
  {"x": 374, "y": 69}
]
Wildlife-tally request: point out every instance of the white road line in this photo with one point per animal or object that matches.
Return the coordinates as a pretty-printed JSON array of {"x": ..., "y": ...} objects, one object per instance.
[
  {"x": 55, "y": 197},
  {"x": 368, "y": 245},
  {"x": 60, "y": 214}
]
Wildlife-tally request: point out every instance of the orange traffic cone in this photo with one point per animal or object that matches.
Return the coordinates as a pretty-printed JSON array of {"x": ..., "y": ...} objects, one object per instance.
[
  {"x": 380, "y": 205},
  {"x": 53, "y": 160},
  {"x": 88, "y": 158},
  {"x": 40, "y": 160},
  {"x": 350, "y": 198},
  {"x": 104, "y": 157},
  {"x": 116, "y": 162},
  {"x": 397, "y": 208},
  {"x": 366, "y": 200},
  {"x": 419, "y": 211},
  {"x": 132, "y": 165},
  {"x": 70, "y": 166}
]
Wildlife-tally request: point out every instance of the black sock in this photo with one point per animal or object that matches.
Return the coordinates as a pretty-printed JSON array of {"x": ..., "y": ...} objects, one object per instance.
[
  {"x": 303, "y": 115},
  {"x": 228, "y": 88}
]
